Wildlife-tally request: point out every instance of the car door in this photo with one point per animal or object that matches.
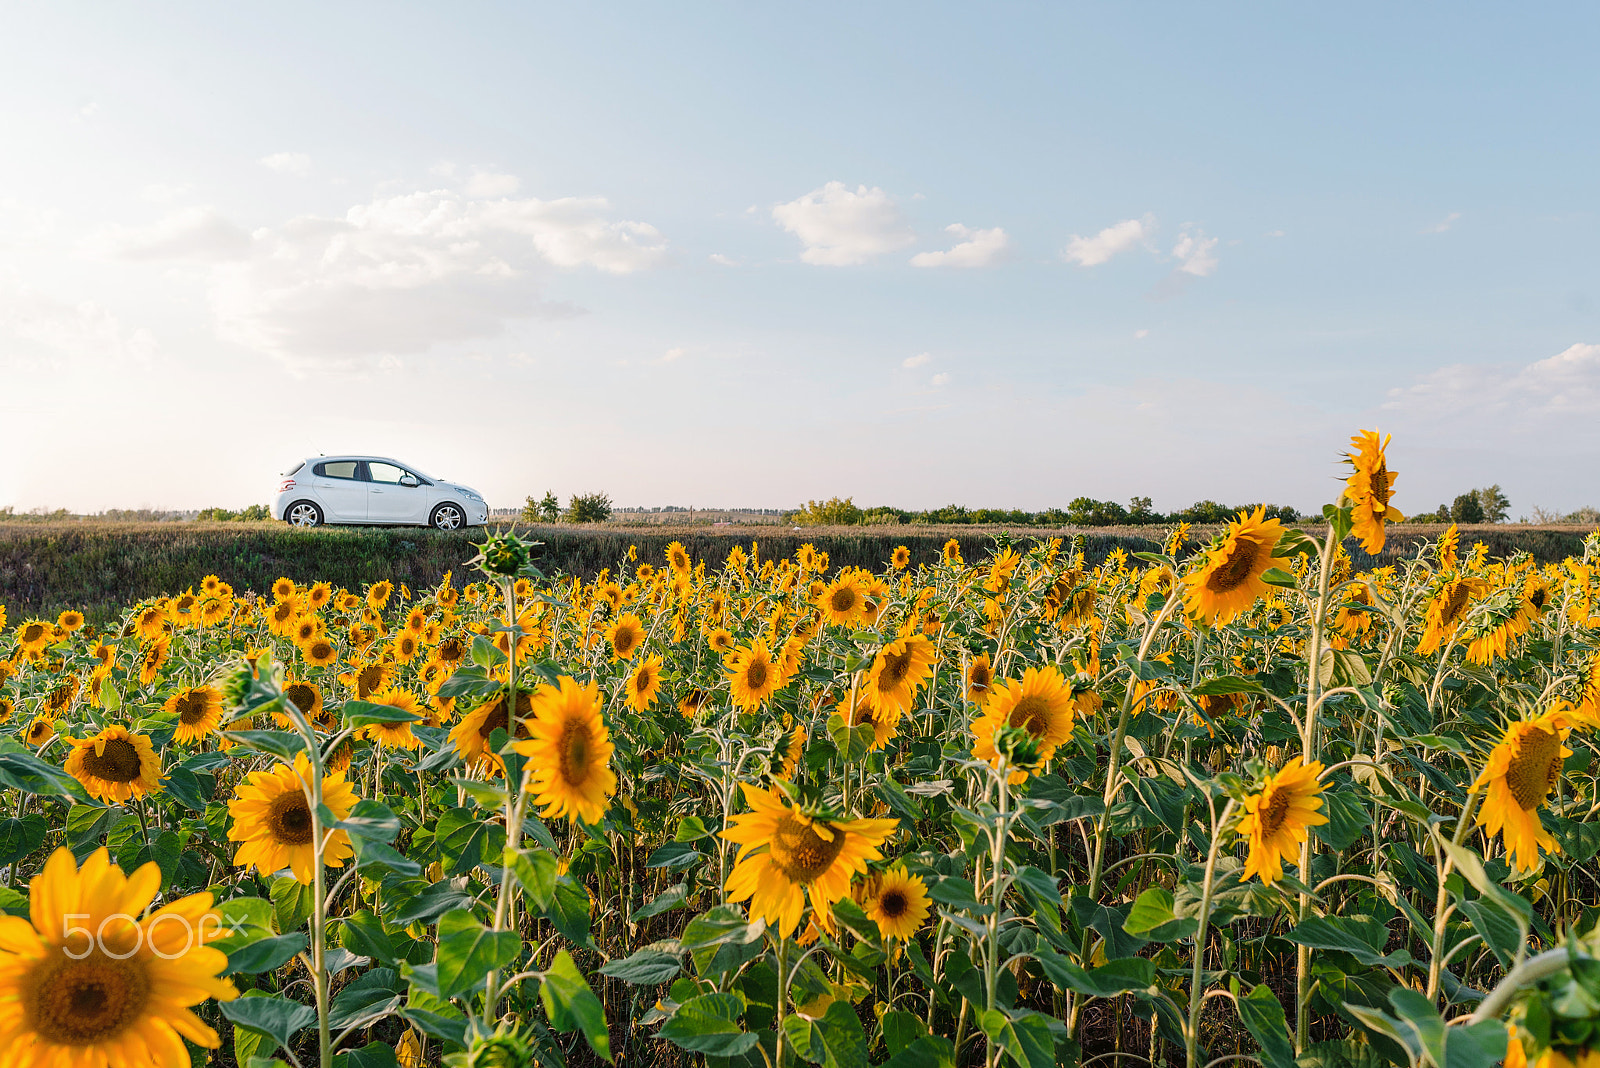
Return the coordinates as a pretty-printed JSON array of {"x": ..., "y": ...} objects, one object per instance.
[
  {"x": 389, "y": 499},
  {"x": 342, "y": 490}
]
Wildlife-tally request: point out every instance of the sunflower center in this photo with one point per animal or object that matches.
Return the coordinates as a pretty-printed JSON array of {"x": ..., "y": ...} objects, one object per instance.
[
  {"x": 117, "y": 762},
  {"x": 577, "y": 743},
  {"x": 1032, "y": 714},
  {"x": 843, "y": 599},
  {"x": 624, "y": 641},
  {"x": 290, "y": 818},
  {"x": 641, "y": 681},
  {"x": 32, "y": 632},
  {"x": 1539, "y": 597},
  {"x": 191, "y": 709},
  {"x": 894, "y": 904},
  {"x": 303, "y": 696},
  {"x": 1380, "y": 487},
  {"x": 1231, "y": 575},
  {"x": 801, "y": 853},
  {"x": 1454, "y": 604},
  {"x": 83, "y": 1002},
  {"x": 896, "y": 666},
  {"x": 981, "y": 677},
  {"x": 1532, "y": 773},
  {"x": 1272, "y": 814},
  {"x": 496, "y": 719},
  {"x": 368, "y": 680},
  {"x": 755, "y": 676}
]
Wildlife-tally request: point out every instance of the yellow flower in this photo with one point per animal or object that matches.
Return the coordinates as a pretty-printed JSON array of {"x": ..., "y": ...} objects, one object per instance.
[
  {"x": 1446, "y": 609},
  {"x": 897, "y": 902},
  {"x": 786, "y": 853},
  {"x": 1041, "y": 704},
  {"x": 980, "y": 678},
  {"x": 884, "y": 726},
  {"x": 1276, "y": 819},
  {"x": 752, "y": 676},
  {"x": 272, "y": 820},
  {"x": 1230, "y": 580},
  {"x": 570, "y": 749},
  {"x": 199, "y": 712},
  {"x": 471, "y": 735},
  {"x": 70, "y": 620},
  {"x": 395, "y": 735},
  {"x": 691, "y": 702},
  {"x": 678, "y": 558},
  {"x": 625, "y": 636},
  {"x": 786, "y": 752},
  {"x": 1368, "y": 489},
  {"x": 898, "y": 671},
  {"x": 900, "y": 559},
  {"x": 114, "y": 765},
  {"x": 40, "y": 731},
  {"x": 319, "y": 652},
  {"x": 378, "y": 594},
  {"x": 643, "y": 685},
  {"x": 842, "y": 602},
  {"x": 120, "y": 998},
  {"x": 1519, "y": 774}
]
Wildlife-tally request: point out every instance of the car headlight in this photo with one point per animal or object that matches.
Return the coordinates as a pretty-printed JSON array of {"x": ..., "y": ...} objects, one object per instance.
[{"x": 469, "y": 495}]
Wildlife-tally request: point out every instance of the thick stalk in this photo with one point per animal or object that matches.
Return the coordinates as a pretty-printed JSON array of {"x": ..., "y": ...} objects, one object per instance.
[
  {"x": 1441, "y": 913},
  {"x": 1309, "y": 743},
  {"x": 1191, "y": 1036},
  {"x": 515, "y": 800}
]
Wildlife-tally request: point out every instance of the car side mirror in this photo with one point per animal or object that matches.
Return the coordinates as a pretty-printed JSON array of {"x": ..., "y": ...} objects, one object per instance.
[{"x": 408, "y": 480}]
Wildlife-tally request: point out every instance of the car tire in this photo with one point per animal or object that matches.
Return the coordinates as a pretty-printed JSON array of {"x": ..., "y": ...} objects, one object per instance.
[
  {"x": 448, "y": 517},
  {"x": 303, "y": 514}
]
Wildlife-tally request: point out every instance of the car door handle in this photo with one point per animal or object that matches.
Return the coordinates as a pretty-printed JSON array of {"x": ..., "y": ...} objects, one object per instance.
[{"x": 375, "y": 491}]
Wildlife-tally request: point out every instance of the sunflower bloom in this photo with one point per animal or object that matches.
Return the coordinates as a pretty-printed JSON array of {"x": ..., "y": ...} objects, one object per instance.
[
  {"x": 786, "y": 853},
  {"x": 199, "y": 712},
  {"x": 1368, "y": 489},
  {"x": 1041, "y": 703},
  {"x": 644, "y": 684},
  {"x": 625, "y": 636},
  {"x": 752, "y": 676},
  {"x": 1519, "y": 774},
  {"x": 272, "y": 820},
  {"x": 471, "y": 736},
  {"x": 570, "y": 749},
  {"x": 842, "y": 602},
  {"x": 118, "y": 1000},
  {"x": 1230, "y": 580},
  {"x": 1276, "y": 819},
  {"x": 898, "y": 672},
  {"x": 115, "y": 765},
  {"x": 897, "y": 902}
]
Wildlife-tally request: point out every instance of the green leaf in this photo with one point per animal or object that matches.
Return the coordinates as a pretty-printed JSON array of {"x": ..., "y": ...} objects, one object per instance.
[
  {"x": 468, "y": 951},
  {"x": 1107, "y": 921},
  {"x": 486, "y": 655},
  {"x": 1152, "y": 918},
  {"x": 1227, "y": 684},
  {"x": 26, "y": 772},
  {"x": 1262, "y": 1014},
  {"x": 378, "y": 857},
  {"x": 691, "y": 829},
  {"x": 465, "y": 838},
  {"x": 929, "y": 1051},
  {"x": 645, "y": 967},
  {"x": 1471, "y": 868},
  {"x": 291, "y": 903},
  {"x": 1025, "y": 1037},
  {"x": 1277, "y": 576},
  {"x": 1348, "y": 820},
  {"x": 709, "y": 1024},
  {"x": 363, "y": 934},
  {"x": 1110, "y": 979},
  {"x": 834, "y": 1040},
  {"x": 569, "y": 910},
  {"x": 285, "y": 745},
  {"x": 184, "y": 785},
  {"x": 265, "y": 954},
  {"x": 674, "y": 855},
  {"x": 536, "y": 870},
  {"x": 370, "y": 821},
  {"x": 433, "y": 902},
  {"x": 900, "y": 1030},
  {"x": 572, "y": 1006},
  {"x": 277, "y": 1018},
  {"x": 1497, "y": 927},
  {"x": 372, "y": 1055},
  {"x": 366, "y": 713},
  {"x": 670, "y": 898},
  {"x": 1362, "y": 939},
  {"x": 19, "y": 837}
]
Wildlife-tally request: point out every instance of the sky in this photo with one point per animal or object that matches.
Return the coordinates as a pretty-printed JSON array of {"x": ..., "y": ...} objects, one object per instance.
[{"x": 730, "y": 255}]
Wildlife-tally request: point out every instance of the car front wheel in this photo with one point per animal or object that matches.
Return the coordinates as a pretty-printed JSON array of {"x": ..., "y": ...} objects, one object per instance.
[
  {"x": 447, "y": 517},
  {"x": 303, "y": 514}
]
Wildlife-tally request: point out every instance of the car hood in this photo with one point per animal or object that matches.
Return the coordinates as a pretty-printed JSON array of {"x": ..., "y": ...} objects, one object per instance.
[{"x": 459, "y": 486}]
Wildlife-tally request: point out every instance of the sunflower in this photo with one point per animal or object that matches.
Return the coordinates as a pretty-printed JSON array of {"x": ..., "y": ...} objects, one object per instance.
[
  {"x": 7, "y": 708},
  {"x": 417, "y": 620},
  {"x": 691, "y": 702},
  {"x": 570, "y": 750},
  {"x": 306, "y": 697},
  {"x": 305, "y": 628},
  {"x": 283, "y": 617},
  {"x": 121, "y": 1000},
  {"x": 345, "y": 601},
  {"x": 151, "y": 624},
  {"x": 471, "y": 735},
  {"x": 272, "y": 820},
  {"x": 199, "y": 712},
  {"x": 900, "y": 559},
  {"x": 33, "y": 635},
  {"x": 842, "y": 602},
  {"x": 70, "y": 620},
  {"x": 283, "y": 589},
  {"x": 1275, "y": 820},
  {"x": 643, "y": 685},
  {"x": 396, "y": 734},
  {"x": 214, "y": 610},
  {"x": 897, "y": 902},
  {"x": 752, "y": 676},
  {"x": 787, "y": 853},
  {"x": 898, "y": 672},
  {"x": 319, "y": 594},
  {"x": 152, "y": 660},
  {"x": 404, "y": 646},
  {"x": 1368, "y": 489},
  {"x": 1041, "y": 704},
  {"x": 720, "y": 639},
  {"x": 320, "y": 652},
  {"x": 367, "y": 679},
  {"x": 678, "y": 558},
  {"x": 1520, "y": 773},
  {"x": 885, "y": 724},
  {"x": 40, "y": 731},
  {"x": 451, "y": 651},
  {"x": 952, "y": 552},
  {"x": 115, "y": 764},
  {"x": 1446, "y": 609},
  {"x": 980, "y": 678},
  {"x": 1230, "y": 580},
  {"x": 625, "y": 636},
  {"x": 786, "y": 752},
  {"x": 378, "y": 594}
]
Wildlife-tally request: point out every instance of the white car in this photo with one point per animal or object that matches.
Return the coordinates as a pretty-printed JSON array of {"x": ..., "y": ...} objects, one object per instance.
[{"x": 373, "y": 490}]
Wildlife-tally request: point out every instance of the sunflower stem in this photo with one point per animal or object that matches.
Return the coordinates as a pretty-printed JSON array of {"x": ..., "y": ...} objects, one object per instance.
[
  {"x": 514, "y": 801},
  {"x": 1191, "y": 1034}
]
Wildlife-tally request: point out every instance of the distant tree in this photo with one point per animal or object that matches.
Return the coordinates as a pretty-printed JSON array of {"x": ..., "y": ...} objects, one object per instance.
[
  {"x": 1467, "y": 508},
  {"x": 834, "y": 512},
  {"x": 1139, "y": 511},
  {"x": 255, "y": 513},
  {"x": 545, "y": 510},
  {"x": 1052, "y": 517},
  {"x": 1493, "y": 503},
  {"x": 1206, "y": 512},
  {"x": 589, "y": 508},
  {"x": 216, "y": 515}
]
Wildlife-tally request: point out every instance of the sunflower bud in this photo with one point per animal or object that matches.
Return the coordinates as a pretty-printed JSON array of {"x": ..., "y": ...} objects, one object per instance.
[
  {"x": 503, "y": 554},
  {"x": 235, "y": 686},
  {"x": 1021, "y": 749},
  {"x": 502, "y": 1049}
]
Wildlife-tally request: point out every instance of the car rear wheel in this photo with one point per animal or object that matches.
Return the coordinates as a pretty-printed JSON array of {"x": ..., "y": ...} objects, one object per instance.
[
  {"x": 303, "y": 514},
  {"x": 447, "y": 517}
]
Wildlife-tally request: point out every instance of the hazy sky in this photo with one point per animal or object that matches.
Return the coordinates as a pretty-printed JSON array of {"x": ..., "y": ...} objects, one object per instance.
[{"x": 733, "y": 254}]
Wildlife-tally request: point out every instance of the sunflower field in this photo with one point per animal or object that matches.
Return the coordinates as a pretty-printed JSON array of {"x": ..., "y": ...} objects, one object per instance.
[{"x": 1228, "y": 802}]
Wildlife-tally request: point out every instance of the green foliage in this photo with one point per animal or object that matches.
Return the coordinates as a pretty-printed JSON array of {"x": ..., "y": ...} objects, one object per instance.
[{"x": 588, "y": 508}]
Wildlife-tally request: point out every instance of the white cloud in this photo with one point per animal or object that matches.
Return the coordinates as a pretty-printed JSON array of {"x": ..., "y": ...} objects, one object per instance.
[
  {"x": 840, "y": 227},
  {"x": 941, "y": 379},
  {"x": 82, "y": 331},
  {"x": 977, "y": 248},
  {"x": 1444, "y": 224},
  {"x": 194, "y": 234},
  {"x": 395, "y": 275},
  {"x": 1273, "y": 233},
  {"x": 1194, "y": 253},
  {"x": 1565, "y": 388},
  {"x": 492, "y": 184},
  {"x": 918, "y": 360},
  {"x": 1118, "y": 237},
  {"x": 723, "y": 261},
  {"x": 672, "y": 354},
  {"x": 295, "y": 163},
  {"x": 23, "y": 225},
  {"x": 1140, "y": 335}
]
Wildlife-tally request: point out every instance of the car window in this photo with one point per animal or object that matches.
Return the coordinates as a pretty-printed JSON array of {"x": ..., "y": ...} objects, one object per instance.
[
  {"x": 382, "y": 472},
  {"x": 338, "y": 469}
]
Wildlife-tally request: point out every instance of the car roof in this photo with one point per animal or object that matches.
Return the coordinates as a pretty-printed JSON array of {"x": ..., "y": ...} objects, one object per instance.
[{"x": 357, "y": 456}]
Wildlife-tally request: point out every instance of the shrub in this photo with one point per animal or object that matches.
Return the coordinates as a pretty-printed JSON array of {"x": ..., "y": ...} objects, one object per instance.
[{"x": 589, "y": 508}]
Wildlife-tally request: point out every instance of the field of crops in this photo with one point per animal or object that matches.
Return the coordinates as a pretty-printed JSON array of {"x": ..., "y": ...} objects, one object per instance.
[{"x": 1229, "y": 801}]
